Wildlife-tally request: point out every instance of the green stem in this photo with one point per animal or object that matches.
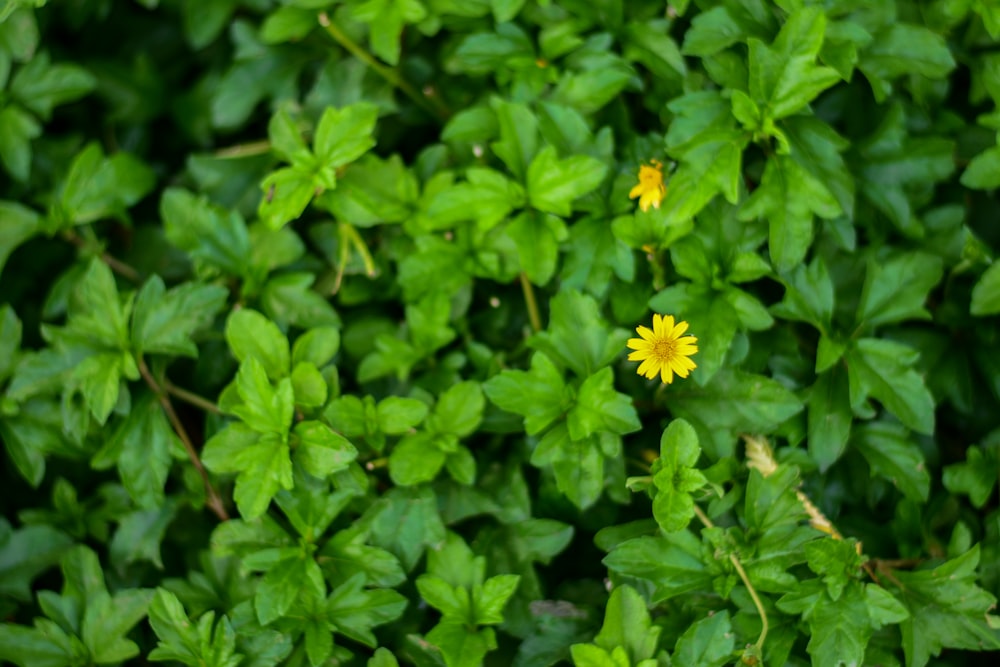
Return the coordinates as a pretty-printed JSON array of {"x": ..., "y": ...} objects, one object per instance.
[
  {"x": 738, "y": 566},
  {"x": 258, "y": 147},
  {"x": 349, "y": 233},
  {"x": 532, "y": 304},
  {"x": 430, "y": 104},
  {"x": 192, "y": 398}
]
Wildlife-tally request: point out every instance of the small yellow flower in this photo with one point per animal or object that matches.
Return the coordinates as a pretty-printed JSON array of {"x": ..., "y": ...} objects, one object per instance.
[
  {"x": 664, "y": 350},
  {"x": 650, "y": 189}
]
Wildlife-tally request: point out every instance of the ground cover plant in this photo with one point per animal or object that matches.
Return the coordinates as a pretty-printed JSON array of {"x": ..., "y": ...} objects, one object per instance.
[{"x": 607, "y": 333}]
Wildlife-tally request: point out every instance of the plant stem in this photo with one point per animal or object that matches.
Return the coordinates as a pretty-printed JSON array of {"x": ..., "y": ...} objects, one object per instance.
[
  {"x": 430, "y": 104},
  {"x": 118, "y": 266},
  {"x": 738, "y": 566},
  {"x": 212, "y": 498},
  {"x": 530, "y": 302},
  {"x": 258, "y": 147},
  {"x": 192, "y": 398}
]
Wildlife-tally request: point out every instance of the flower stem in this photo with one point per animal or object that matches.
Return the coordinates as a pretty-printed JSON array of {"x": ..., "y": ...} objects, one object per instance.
[
  {"x": 738, "y": 566},
  {"x": 212, "y": 498},
  {"x": 530, "y": 302},
  {"x": 432, "y": 105}
]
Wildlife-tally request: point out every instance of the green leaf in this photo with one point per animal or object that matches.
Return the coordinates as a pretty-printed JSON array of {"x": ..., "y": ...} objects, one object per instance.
[
  {"x": 676, "y": 477},
  {"x": 320, "y": 450},
  {"x": 416, "y": 459},
  {"x": 17, "y": 224},
  {"x": 893, "y": 455},
  {"x": 896, "y": 289},
  {"x": 39, "y": 86},
  {"x": 904, "y": 49},
  {"x": 553, "y": 183},
  {"x": 374, "y": 191},
  {"x": 489, "y": 601},
  {"x": 891, "y": 162},
  {"x": 459, "y": 410},
  {"x": 787, "y": 198},
  {"x": 537, "y": 238},
  {"x": 809, "y": 296},
  {"x": 97, "y": 187},
  {"x": 462, "y": 646},
  {"x": 24, "y": 554},
  {"x": 738, "y": 401},
  {"x": 213, "y": 236},
  {"x": 405, "y": 522},
  {"x": 252, "y": 336},
  {"x": 672, "y": 563},
  {"x": 986, "y": 293},
  {"x": 883, "y": 369},
  {"x": 164, "y": 321},
  {"x": 287, "y": 192},
  {"x": 784, "y": 77},
  {"x": 578, "y": 335},
  {"x": 181, "y": 640},
  {"x": 398, "y": 415},
  {"x": 712, "y": 319},
  {"x": 264, "y": 408},
  {"x": 386, "y": 19},
  {"x": 106, "y": 621},
  {"x": 280, "y": 586},
  {"x": 308, "y": 385},
  {"x": 344, "y": 135},
  {"x": 538, "y": 394},
  {"x": 600, "y": 408},
  {"x": 316, "y": 346},
  {"x": 627, "y": 624},
  {"x": 707, "y": 643},
  {"x": 355, "y": 610},
  {"x": 975, "y": 477},
  {"x": 17, "y": 129},
  {"x": 45, "y": 645},
  {"x": 140, "y": 535},
  {"x": 142, "y": 449},
  {"x": 983, "y": 171},
  {"x": 518, "y": 142},
  {"x": 947, "y": 609},
  {"x": 830, "y": 417}
]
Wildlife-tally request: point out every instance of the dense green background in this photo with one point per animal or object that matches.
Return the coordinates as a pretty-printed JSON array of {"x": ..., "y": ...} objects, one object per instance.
[{"x": 313, "y": 344}]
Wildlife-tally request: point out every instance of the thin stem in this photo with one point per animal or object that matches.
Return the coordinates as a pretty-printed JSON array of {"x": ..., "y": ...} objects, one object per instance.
[
  {"x": 430, "y": 104},
  {"x": 192, "y": 398},
  {"x": 738, "y": 566},
  {"x": 530, "y": 302},
  {"x": 212, "y": 498},
  {"x": 118, "y": 266},
  {"x": 351, "y": 234},
  {"x": 258, "y": 147}
]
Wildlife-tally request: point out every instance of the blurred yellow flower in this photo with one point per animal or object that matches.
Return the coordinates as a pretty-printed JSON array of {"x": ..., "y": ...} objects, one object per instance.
[
  {"x": 664, "y": 350},
  {"x": 650, "y": 189}
]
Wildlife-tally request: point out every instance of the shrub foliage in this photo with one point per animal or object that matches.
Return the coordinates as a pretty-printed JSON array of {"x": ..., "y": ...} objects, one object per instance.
[{"x": 314, "y": 340}]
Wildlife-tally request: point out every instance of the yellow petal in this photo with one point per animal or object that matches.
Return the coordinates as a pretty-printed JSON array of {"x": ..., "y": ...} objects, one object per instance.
[
  {"x": 640, "y": 355},
  {"x": 666, "y": 374},
  {"x": 681, "y": 327},
  {"x": 645, "y": 331}
]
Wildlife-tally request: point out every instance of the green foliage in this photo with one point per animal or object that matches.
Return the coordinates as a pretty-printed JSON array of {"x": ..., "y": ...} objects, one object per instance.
[{"x": 316, "y": 317}]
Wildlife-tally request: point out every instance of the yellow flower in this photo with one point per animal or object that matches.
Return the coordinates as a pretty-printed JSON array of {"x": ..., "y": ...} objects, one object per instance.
[
  {"x": 664, "y": 350},
  {"x": 650, "y": 189}
]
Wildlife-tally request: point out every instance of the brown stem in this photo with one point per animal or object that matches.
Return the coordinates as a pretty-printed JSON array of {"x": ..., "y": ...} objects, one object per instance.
[
  {"x": 212, "y": 498},
  {"x": 118, "y": 266}
]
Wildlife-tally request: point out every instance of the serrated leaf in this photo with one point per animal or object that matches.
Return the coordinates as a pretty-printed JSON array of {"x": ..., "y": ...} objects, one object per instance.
[{"x": 891, "y": 454}]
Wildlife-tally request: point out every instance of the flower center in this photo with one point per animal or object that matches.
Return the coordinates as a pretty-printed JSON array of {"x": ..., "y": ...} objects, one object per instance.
[{"x": 664, "y": 349}]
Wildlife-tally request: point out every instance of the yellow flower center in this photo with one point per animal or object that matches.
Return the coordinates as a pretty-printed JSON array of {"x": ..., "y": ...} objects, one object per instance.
[{"x": 665, "y": 349}]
